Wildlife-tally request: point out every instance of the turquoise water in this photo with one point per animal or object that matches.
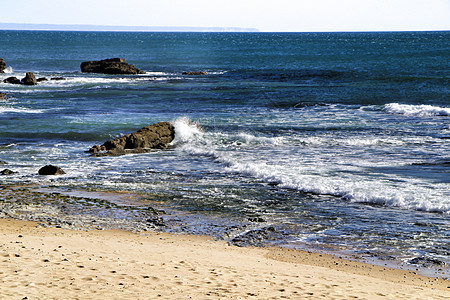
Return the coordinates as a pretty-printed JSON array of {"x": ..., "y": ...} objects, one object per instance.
[{"x": 339, "y": 141}]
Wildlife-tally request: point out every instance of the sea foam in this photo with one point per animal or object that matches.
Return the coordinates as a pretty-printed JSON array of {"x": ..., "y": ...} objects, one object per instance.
[
  {"x": 417, "y": 110},
  {"x": 306, "y": 176}
]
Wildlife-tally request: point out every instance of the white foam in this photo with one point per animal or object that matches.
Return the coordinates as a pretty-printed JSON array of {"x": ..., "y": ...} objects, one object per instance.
[
  {"x": 8, "y": 70},
  {"x": 20, "y": 110},
  {"x": 417, "y": 110},
  {"x": 185, "y": 130},
  {"x": 339, "y": 177}
]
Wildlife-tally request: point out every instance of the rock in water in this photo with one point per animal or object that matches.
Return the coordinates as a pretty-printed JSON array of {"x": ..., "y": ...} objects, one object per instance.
[
  {"x": 12, "y": 80},
  {"x": 29, "y": 79},
  {"x": 195, "y": 73},
  {"x": 109, "y": 66},
  {"x": 51, "y": 170},
  {"x": 156, "y": 136},
  {"x": 7, "y": 172},
  {"x": 2, "y": 65},
  {"x": 2, "y": 96}
]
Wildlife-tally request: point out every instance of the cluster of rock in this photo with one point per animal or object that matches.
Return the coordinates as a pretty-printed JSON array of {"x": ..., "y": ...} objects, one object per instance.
[
  {"x": 109, "y": 66},
  {"x": 2, "y": 65},
  {"x": 46, "y": 170},
  {"x": 29, "y": 79},
  {"x": 156, "y": 136},
  {"x": 2, "y": 96}
]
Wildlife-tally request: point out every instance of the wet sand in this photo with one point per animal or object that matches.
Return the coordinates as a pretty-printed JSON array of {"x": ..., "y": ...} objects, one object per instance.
[{"x": 56, "y": 263}]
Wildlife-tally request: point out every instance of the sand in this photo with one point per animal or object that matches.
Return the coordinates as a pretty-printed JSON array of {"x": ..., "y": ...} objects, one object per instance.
[{"x": 51, "y": 263}]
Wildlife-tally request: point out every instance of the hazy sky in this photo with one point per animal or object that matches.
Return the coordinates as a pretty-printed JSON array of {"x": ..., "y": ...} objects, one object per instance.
[{"x": 266, "y": 15}]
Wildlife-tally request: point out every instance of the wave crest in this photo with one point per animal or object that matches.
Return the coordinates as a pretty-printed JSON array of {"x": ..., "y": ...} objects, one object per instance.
[{"x": 417, "y": 110}]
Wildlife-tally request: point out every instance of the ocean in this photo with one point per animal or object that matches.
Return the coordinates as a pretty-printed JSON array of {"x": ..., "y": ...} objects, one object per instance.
[{"x": 335, "y": 142}]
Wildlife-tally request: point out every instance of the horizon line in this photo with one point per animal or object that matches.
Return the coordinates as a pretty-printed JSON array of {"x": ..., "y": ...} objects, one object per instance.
[
  {"x": 87, "y": 27},
  {"x": 140, "y": 28}
]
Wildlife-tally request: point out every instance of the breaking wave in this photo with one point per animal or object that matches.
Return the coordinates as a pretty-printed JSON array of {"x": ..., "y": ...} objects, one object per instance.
[
  {"x": 235, "y": 154},
  {"x": 417, "y": 110}
]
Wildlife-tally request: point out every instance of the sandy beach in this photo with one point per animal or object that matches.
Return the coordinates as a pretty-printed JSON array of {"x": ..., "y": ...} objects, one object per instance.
[{"x": 52, "y": 263}]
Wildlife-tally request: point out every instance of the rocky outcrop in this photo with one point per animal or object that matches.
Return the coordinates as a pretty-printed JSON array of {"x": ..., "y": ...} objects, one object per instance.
[
  {"x": 2, "y": 65},
  {"x": 12, "y": 80},
  {"x": 2, "y": 96},
  {"x": 109, "y": 66},
  {"x": 156, "y": 136},
  {"x": 195, "y": 73},
  {"x": 29, "y": 79},
  {"x": 51, "y": 170}
]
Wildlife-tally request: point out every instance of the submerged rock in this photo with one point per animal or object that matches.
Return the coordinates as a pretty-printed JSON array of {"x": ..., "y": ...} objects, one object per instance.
[
  {"x": 426, "y": 261},
  {"x": 2, "y": 96},
  {"x": 2, "y": 65},
  {"x": 29, "y": 79},
  {"x": 57, "y": 78},
  {"x": 256, "y": 237},
  {"x": 12, "y": 80},
  {"x": 7, "y": 172},
  {"x": 51, "y": 170},
  {"x": 41, "y": 79},
  {"x": 109, "y": 66},
  {"x": 195, "y": 73},
  {"x": 156, "y": 136}
]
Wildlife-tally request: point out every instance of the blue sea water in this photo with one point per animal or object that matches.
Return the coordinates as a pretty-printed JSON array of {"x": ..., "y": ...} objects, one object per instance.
[{"x": 337, "y": 141}]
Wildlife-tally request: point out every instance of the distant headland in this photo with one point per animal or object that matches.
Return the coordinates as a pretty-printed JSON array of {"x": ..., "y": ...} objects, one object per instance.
[{"x": 65, "y": 27}]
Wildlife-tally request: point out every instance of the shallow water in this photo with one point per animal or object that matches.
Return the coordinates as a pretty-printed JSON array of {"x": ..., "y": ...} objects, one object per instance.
[{"x": 338, "y": 141}]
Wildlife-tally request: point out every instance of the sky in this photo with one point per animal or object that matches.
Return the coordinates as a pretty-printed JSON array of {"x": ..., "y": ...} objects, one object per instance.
[{"x": 265, "y": 15}]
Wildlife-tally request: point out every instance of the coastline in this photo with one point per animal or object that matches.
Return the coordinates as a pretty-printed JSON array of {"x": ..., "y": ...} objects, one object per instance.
[
  {"x": 53, "y": 252},
  {"x": 74, "y": 264}
]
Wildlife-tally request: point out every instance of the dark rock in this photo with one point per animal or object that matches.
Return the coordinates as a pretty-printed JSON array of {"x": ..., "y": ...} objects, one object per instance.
[
  {"x": 109, "y": 66},
  {"x": 2, "y": 65},
  {"x": 12, "y": 80},
  {"x": 156, "y": 136},
  {"x": 256, "y": 219},
  {"x": 57, "y": 78},
  {"x": 195, "y": 73},
  {"x": 256, "y": 237},
  {"x": 42, "y": 79},
  {"x": 51, "y": 170},
  {"x": 2, "y": 96},
  {"x": 3, "y": 162},
  {"x": 29, "y": 79},
  {"x": 7, "y": 172},
  {"x": 426, "y": 261}
]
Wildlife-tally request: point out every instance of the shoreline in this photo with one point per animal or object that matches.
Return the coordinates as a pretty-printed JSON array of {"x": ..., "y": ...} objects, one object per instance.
[
  {"x": 48, "y": 212},
  {"x": 56, "y": 262}
]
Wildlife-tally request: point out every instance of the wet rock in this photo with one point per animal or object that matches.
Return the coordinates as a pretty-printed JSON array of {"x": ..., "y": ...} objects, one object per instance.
[
  {"x": 256, "y": 237},
  {"x": 3, "y": 162},
  {"x": 57, "y": 78},
  {"x": 426, "y": 261},
  {"x": 156, "y": 136},
  {"x": 29, "y": 79},
  {"x": 195, "y": 73},
  {"x": 51, "y": 170},
  {"x": 256, "y": 219},
  {"x": 109, "y": 66},
  {"x": 12, "y": 80},
  {"x": 2, "y": 65},
  {"x": 41, "y": 79},
  {"x": 7, "y": 172},
  {"x": 2, "y": 96}
]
